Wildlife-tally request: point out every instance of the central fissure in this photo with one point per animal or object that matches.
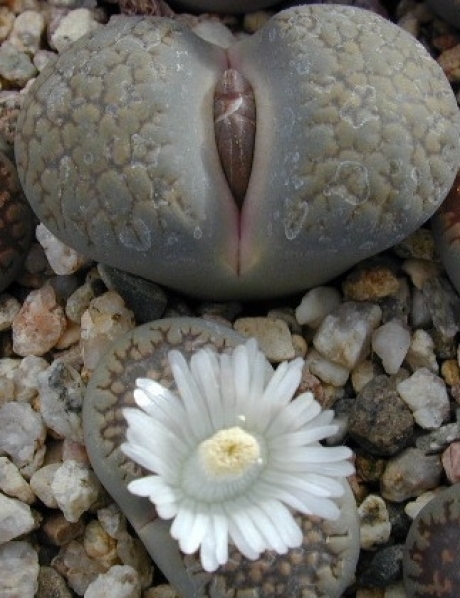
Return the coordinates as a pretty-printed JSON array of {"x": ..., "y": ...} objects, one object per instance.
[{"x": 235, "y": 130}]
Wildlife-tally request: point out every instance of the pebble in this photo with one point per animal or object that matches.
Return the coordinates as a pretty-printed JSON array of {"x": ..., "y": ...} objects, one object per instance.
[
  {"x": 13, "y": 484},
  {"x": 112, "y": 520},
  {"x": 272, "y": 334},
  {"x": 443, "y": 304},
  {"x": 59, "y": 531},
  {"x": 421, "y": 352},
  {"x": 384, "y": 568},
  {"x": 61, "y": 399},
  {"x": 316, "y": 304},
  {"x": 326, "y": 370},
  {"x": 41, "y": 481},
  {"x": 51, "y": 584},
  {"x": 426, "y": 396},
  {"x": 363, "y": 373},
  {"x": 63, "y": 259},
  {"x": 6, "y": 22},
  {"x": 27, "y": 32},
  {"x": 74, "y": 25},
  {"x": 120, "y": 581},
  {"x": 99, "y": 545},
  {"x": 9, "y": 308},
  {"x": 413, "y": 507},
  {"x": 19, "y": 567},
  {"x": 75, "y": 488},
  {"x": 379, "y": 420},
  {"x": 420, "y": 314},
  {"x": 420, "y": 271},
  {"x": 437, "y": 440},
  {"x": 22, "y": 434},
  {"x": 451, "y": 462},
  {"x": 15, "y": 519},
  {"x": 375, "y": 526},
  {"x": 370, "y": 283},
  {"x": 39, "y": 323},
  {"x": 391, "y": 342},
  {"x": 15, "y": 67},
  {"x": 105, "y": 319},
  {"x": 410, "y": 474},
  {"x": 419, "y": 244},
  {"x": 162, "y": 591},
  {"x": 450, "y": 372},
  {"x": 449, "y": 61},
  {"x": 344, "y": 335},
  {"x": 132, "y": 552},
  {"x": 76, "y": 566},
  {"x": 79, "y": 301}
]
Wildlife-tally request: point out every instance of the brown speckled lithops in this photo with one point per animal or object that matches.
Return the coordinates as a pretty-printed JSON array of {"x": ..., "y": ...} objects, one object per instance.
[
  {"x": 324, "y": 564},
  {"x": 16, "y": 223},
  {"x": 357, "y": 142},
  {"x": 431, "y": 565}
]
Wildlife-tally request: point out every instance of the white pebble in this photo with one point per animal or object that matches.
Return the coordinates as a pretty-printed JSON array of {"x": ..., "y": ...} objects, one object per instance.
[
  {"x": 344, "y": 336},
  {"x": 120, "y": 581},
  {"x": 27, "y": 32},
  {"x": 112, "y": 520},
  {"x": 22, "y": 432},
  {"x": 105, "y": 319},
  {"x": 272, "y": 334},
  {"x": 391, "y": 343},
  {"x": 39, "y": 323},
  {"x": 316, "y": 304},
  {"x": 413, "y": 507},
  {"x": 9, "y": 308},
  {"x": 61, "y": 399},
  {"x": 75, "y": 488},
  {"x": 63, "y": 259},
  {"x": 421, "y": 352},
  {"x": 15, "y": 519},
  {"x": 73, "y": 26},
  {"x": 41, "y": 481},
  {"x": 426, "y": 396},
  {"x": 12, "y": 483},
  {"x": 19, "y": 567},
  {"x": 326, "y": 370},
  {"x": 375, "y": 526},
  {"x": 25, "y": 377}
]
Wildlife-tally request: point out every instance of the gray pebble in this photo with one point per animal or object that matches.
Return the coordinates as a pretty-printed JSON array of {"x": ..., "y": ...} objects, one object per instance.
[
  {"x": 385, "y": 567},
  {"x": 15, "y": 66}
]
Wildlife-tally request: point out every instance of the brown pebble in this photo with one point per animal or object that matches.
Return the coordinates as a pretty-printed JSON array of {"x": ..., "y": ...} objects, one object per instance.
[
  {"x": 59, "y": 531},
  {"x": 51, "y": 584}
]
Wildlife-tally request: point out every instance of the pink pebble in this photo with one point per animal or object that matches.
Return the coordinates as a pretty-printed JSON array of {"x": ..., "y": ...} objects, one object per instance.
[{"x": 451, "y": 462}]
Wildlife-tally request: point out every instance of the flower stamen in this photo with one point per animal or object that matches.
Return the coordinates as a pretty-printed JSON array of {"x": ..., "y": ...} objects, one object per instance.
[{"x": 229, "y": 452}]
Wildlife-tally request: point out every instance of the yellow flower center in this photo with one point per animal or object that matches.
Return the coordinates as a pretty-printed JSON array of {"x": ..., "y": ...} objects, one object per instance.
[{"x": 231, "y": 451}]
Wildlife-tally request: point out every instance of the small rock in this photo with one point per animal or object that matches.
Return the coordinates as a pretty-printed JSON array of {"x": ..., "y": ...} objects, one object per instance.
[
  {"x": 421, "y": 352},
  {"x": 443, "y": 304},
  {"x": 326, "y": 370},
  {"x": 420, "y": 314},
  {"x": 344, "y": 336},
  {"x": 63, "y": 259},
  {"x": 61, "y": 399},
  {"x": 410, "y": 474},
  {"x": 316, "y": 304},
  {"x": 25, "y": 377},
  {"x": 39, "y": 323},
  {"x": 19, "y": 567},
  {"x": 426, "y": 396},
  {"x": 450, "y": 372},
  {"x": 105, "y": 319},
  {"x": 9, "y": 309},
  {"x": 79, "y": 301},
  {"x": 75, "y": 488},
  {"x": 379, "y": 420},
  {"x": 391, "y": 343},
  {"x": 51, "y": 584},
  {"x": 15, "y": 67},
  {"x": 41, "y": 481},
  {"x": 449, "y": 61},
  {"x": 132, "y": 552},
  {"x": 112, "y": 520},
  {"x": 395, "y": 590},
  {"x": 451, "y": 462},
  {"x": 272, "y": 334},
  {"x": 385, "y": 567},
  {"x": 28, "y": 29},
  {"x": 420, "y": 271},
  {"x": 370, "y": 283},
  {"x": 59, "y": 531},
  {"x": 74, "y": 564},
  {"x": 120, "y": 581},
  {"x": 413, "y": 507},
  {"x": 74, "y": 25},
  {"x": 22, "y": 433},
  {"x": 163, "y": 591},
  {"x": 419, "y": 245},
  {"x": 362, "y": 374},
  {"x": 99, "y": 545},
  {"x": 15, "y": 519},
  {"x": 13, "y": 484},
  {"x": 6, "y": 22},
  {"x": 437, "y": 440},
  {"x": 375, "y": 527}
]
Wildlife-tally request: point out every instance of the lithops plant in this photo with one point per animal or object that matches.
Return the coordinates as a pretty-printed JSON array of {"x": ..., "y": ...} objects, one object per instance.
[
  {"x": 325, "y": 556},
  {"x": 430, "y": 562},
  {"x": 356, "y": 143},
  {"x": 16, "y": 223}
]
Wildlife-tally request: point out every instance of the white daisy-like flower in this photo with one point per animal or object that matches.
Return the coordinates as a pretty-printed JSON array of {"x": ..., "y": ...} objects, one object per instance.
[{"x": 233, "y": 457}]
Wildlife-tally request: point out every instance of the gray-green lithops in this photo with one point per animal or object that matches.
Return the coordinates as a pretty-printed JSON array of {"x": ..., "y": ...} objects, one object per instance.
[
  {"x": 326, "y": 561},
  {"x": 432, "y": 546},
  {"x": 356, "y": 144}
]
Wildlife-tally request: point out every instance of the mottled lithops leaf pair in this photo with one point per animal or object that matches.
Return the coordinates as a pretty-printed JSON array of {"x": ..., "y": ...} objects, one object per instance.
[{"x": 126, "y": 146}]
